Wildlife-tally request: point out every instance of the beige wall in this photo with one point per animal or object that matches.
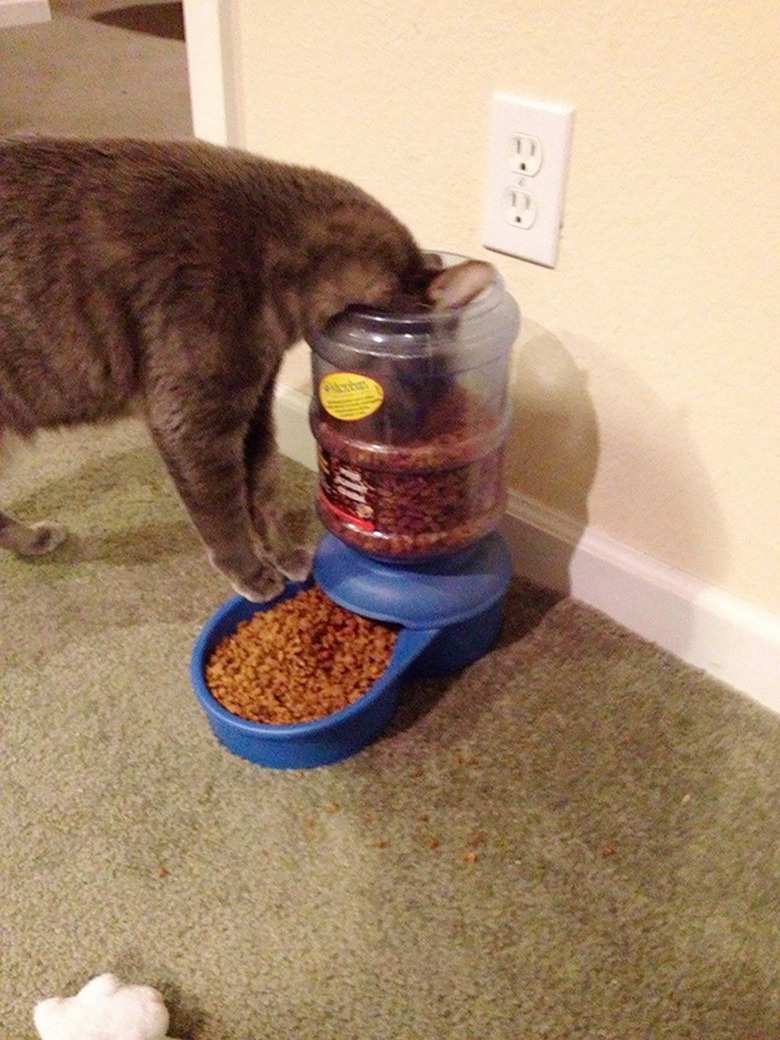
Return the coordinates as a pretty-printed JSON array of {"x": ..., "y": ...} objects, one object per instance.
[{"x": 647, "y": 377}]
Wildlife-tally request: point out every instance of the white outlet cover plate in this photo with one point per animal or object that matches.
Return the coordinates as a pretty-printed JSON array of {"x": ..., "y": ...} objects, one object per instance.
[{"x": 551, "y": 124}]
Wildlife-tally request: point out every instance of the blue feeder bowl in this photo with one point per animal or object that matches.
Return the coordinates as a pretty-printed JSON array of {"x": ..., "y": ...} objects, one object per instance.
[{"x": 450, "y": 613}]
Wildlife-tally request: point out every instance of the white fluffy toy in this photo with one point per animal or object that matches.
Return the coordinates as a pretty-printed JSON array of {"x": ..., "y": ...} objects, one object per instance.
[{"x": 105, "y": 1009}]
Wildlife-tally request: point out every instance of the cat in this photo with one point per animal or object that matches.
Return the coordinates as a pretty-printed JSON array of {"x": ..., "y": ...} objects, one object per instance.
[{"x": 169, "y": 278}]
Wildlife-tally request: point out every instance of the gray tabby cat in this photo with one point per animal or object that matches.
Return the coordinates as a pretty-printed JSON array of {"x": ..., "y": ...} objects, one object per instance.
[{"x": 171, "y": 278}]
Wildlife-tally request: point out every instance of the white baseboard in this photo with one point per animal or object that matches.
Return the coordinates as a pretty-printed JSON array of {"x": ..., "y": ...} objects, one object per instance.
[
  {"x": 23, "y": 12},
  {"x": 702, "y": 625},
  {"x": 293, "y": 433},
  {"x": 728, "y": 638}
]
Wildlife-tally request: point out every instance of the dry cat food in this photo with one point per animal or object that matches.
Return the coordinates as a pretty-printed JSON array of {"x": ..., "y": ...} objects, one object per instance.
[
  {"x": 410, "y": 414},
  {"x": 302, "y": 659},
  {"x": 439, "y": 490}
]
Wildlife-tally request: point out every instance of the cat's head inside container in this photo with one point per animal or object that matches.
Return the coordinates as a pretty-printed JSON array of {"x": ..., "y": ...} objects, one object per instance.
[
  {"x": 398, "y": 279},
  {"x": 444, "y": 283}
]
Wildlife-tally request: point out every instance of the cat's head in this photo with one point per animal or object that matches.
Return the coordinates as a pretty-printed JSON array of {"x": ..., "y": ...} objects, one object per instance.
[
  {"x": 362, "y": 282},
  {"x": 369, "y": 259},
  {"x": 439, "y": 288}
]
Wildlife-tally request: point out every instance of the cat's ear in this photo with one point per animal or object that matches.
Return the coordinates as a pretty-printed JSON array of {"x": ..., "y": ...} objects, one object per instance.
[{"x": 456, "y": 286}]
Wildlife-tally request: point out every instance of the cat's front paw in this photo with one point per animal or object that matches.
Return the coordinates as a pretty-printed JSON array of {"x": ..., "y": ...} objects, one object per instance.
[
  {"x": 295, "y": 563},
  {"x": 264, "y": 585},
  {"x": 40, "y": 539}
]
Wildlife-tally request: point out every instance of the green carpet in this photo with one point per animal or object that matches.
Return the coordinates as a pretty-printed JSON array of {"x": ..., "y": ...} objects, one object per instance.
[
  {"x": 574, "y": 838},
  {"x": 79, "y": 77}
]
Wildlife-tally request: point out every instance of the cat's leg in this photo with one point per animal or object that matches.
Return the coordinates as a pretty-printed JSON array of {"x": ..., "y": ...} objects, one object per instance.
[
  {"x": 264, "y": 483},
  {"x": 30, "y": 540},
  {"x": 273, "y": 523},
  {"x": 202, "y": 446}
]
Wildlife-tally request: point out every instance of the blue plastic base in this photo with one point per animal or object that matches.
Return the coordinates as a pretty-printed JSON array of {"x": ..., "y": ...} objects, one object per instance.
[
  {"x": 457, "y": 646},
  {"x": 434, "y": 594},
  {"x": 450, "y": 612},
  {"x": 304, "y": 744}
]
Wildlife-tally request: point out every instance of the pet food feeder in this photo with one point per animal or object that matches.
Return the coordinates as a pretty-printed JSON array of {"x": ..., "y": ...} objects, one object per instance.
[{"x": 410, "y": 415}]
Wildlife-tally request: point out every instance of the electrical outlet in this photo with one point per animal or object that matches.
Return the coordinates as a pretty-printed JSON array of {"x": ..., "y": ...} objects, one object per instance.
[
  {"x": 525, "y": 155},
  {"x": 522, "y": 208},
  {"x": 528, "y": 161}
]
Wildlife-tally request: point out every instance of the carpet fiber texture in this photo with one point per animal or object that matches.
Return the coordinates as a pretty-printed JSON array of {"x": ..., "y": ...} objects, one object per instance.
[
  {"x": 576, "y": 837},
  {"x": 80, "y": 77}
]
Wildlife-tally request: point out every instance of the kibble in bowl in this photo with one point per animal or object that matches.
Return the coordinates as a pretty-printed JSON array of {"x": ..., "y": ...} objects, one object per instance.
[
  {"x": 299, "y": 682},
  {"x": 302, "y": 659}
]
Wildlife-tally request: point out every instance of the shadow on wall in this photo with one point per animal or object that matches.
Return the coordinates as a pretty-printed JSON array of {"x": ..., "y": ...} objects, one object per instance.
[
  {"x": 651, "y": 465},
  {"x": 647, "y": 461},
  {"x": 552, "y": 454},
  {"x": 163, "y": 20}
]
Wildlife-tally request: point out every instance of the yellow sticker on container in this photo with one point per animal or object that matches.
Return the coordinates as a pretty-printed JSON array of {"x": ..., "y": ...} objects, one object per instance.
[{"x": 350, "y": 396}]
